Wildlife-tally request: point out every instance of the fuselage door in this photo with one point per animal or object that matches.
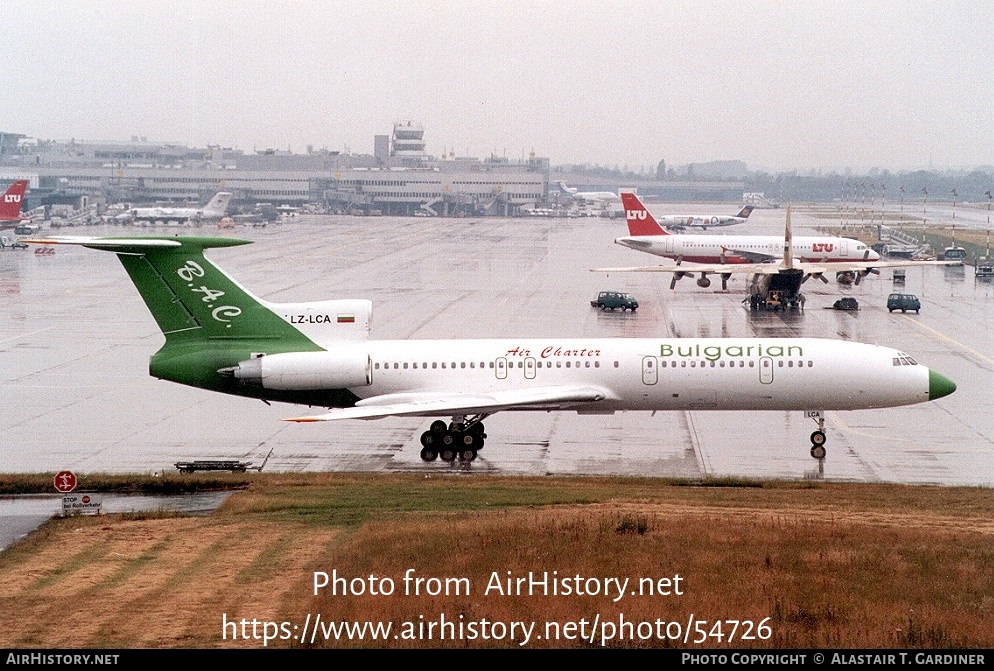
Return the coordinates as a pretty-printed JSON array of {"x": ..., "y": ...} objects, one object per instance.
[
  {"x": 650, "y": 370},
  {"x": 668, "y": 244},
  {"x": 500, "y": 368},
  {"x": 530, "y": 368},
  {"x": 766, "y": 370},
  {"x": 844, "y": 248}
]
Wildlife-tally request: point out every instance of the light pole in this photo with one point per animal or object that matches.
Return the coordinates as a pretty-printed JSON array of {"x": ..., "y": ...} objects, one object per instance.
[
  {"x": 901, "y": 188},
  {"x": 924, "y": 205},
  {"x": 883, "y": 203},
  {"x": 955, "y": 195}
]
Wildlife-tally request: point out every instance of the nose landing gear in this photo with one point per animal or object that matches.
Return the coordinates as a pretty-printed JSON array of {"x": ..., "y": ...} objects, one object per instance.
[{"x": 818, "y": 436}]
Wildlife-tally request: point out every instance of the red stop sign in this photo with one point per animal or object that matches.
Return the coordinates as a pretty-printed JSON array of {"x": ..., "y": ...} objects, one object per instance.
[{"x": 65, "y": 481}]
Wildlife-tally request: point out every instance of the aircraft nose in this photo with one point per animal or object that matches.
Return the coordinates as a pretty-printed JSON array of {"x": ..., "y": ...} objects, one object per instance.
[{"x": 939, "y": 385}]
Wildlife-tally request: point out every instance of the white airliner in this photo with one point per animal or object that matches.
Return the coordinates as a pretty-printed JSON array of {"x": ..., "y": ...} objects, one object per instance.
[
  {"x": 761, "y": 256},
  {"x": 222, "y": 338},
  {"x": 10, "y": 204},
  {"x": 589, "y": 196},
  {"x": 679, "y": 222},
  {"x": 213, "y": 211}
]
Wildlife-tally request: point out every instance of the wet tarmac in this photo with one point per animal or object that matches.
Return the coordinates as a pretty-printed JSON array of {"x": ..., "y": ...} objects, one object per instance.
[{"x": 75, "y": 340}]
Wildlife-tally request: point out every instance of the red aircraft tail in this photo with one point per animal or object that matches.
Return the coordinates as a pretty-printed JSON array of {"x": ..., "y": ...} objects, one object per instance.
[
  {"x": 10, "y": 202},
  {"x": 640, "y": 220}
]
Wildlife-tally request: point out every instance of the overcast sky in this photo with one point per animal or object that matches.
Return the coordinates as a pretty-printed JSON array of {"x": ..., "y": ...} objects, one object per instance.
[{"x": 779, "y": 85}]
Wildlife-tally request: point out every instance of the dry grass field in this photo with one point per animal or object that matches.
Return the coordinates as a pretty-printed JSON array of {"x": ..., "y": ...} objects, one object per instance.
[{"x": 729, "y": 565}]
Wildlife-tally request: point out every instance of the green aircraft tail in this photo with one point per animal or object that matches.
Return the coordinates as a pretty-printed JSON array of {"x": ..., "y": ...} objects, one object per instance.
[{"x": 210, "y": 322}]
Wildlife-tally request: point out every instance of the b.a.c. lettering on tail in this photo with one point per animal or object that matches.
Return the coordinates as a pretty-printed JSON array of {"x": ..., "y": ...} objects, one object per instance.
[
  {"x": 640, "y": 220},
  {"x": 12, "y": 200}
]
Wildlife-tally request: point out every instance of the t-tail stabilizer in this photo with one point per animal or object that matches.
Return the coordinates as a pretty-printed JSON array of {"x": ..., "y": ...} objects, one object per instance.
[{"x": 217, "y": 332}]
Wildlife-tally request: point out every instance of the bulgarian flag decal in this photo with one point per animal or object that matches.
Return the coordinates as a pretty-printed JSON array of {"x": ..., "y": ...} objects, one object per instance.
[{"x": 346, "y": 319}]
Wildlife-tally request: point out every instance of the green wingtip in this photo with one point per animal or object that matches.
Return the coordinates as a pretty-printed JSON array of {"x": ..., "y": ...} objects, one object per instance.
[{"x": 939, "y": 385}]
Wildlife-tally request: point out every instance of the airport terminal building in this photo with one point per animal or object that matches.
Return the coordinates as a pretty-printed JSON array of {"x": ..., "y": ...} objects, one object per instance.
[{"x": 399, "y": 178}]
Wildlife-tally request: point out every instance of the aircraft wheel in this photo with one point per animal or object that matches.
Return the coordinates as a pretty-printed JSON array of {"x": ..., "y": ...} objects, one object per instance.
[
  {"x": 477, "y": 429},
  {"x": 448, "y": 454},
  {"x": 428, "y": 439},
  {"x": 438, "y": 426},
  {"x": 465, "y": 439},
  {"x": 428, "y": 454},
  {"x": 467, "y": 455},
  {"x": 450, "y": 439},
  {"x": 818, "y": 437},
  {"x": 818, "y": 451}
]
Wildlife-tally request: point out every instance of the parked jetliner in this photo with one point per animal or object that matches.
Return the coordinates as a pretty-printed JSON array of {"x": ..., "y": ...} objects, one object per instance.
[
  {"x": 213, "y": 211},
  {"x": 222, "y": 338},
  {"x": 777, "y": 263},
  {"x": 589, "y": 196},
  {"x": 10, "y": 204},
  {"x": 679, "y": 222}
]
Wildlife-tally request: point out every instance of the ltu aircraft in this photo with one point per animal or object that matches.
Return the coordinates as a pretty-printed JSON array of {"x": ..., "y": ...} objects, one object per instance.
[
  {"x": 679, "y": 222},
  {"x": 222, "y": 338},
  {"x": 213, "y": 211},
  {"x": 763, "y": 256},
  {"x": 10, "y": 204}
]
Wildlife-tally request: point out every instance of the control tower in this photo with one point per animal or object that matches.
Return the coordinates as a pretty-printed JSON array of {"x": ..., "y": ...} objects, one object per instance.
[{"x": 408, "y": 139}]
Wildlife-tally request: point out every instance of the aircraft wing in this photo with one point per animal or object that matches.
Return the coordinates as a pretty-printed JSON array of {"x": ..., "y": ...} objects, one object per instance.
[
  {"x": 772, "y": 268},
  {"x": 434, "y": 404},
  {"x": 752, "y": 268}
]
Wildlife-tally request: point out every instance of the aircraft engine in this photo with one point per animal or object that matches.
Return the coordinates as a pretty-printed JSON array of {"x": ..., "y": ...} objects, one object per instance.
[
  {"x": 845, "y": 277},
  {"x": 679, "y": 275},
  {"x": 305, "y": 370},
  {"x": 703, "y": 281},
  {"x": 863, "y": 273}
]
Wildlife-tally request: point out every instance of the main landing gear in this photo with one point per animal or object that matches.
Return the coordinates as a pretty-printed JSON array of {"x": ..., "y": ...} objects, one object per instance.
[
  {"x": 460, "y": 439},
  {"x": 818, "y": 437}
]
